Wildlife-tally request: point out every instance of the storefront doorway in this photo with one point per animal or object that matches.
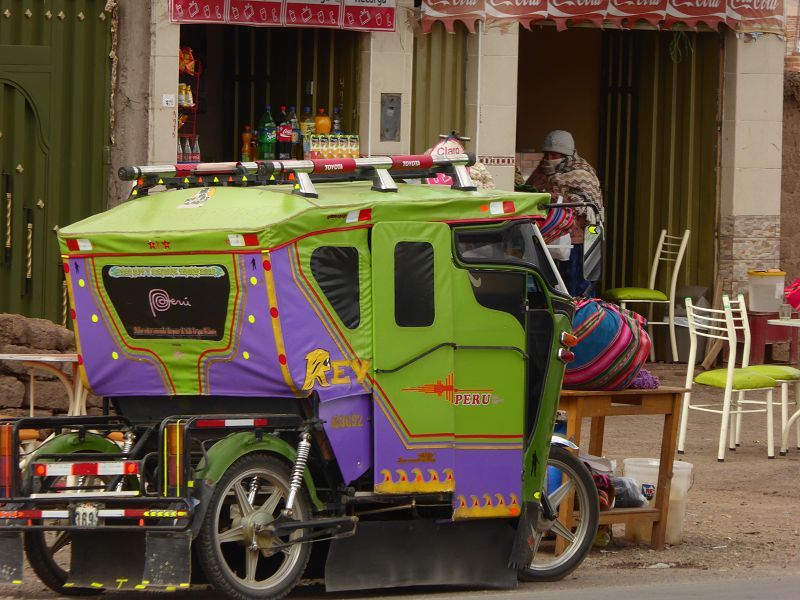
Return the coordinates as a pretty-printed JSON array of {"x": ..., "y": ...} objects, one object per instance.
[
  {"x": 643, "y": 107},
  {"x": 245, "y": 68}
]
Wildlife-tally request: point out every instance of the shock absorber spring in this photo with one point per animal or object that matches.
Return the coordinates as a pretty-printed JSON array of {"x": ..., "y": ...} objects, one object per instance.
[
  {"x": 303, "y": 450},
  {"x": 127, "y": 444}
]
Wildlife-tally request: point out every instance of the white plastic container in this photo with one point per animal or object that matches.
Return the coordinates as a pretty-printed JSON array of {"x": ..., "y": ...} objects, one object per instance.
[
  {"x": 645, "y": 470},
  {"x": 765, "y": 290}
]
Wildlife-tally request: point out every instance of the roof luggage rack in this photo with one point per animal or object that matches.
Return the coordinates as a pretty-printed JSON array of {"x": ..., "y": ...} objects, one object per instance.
[{"x": 303, "y": 173}]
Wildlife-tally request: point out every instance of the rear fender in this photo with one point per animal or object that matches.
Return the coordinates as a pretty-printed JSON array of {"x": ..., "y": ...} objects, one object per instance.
[{"x": 224, "y": 453}]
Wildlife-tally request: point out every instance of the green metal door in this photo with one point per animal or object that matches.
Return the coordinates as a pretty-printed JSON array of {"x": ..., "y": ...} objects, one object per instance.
[{"x": 54, "y": 98}]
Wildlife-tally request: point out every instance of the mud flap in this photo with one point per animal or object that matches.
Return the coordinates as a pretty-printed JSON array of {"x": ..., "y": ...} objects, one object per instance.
[
  {"x": 11, "y": 557},
  {"x": 130, "y": 560},
  {"x": 386, "y": 554}
]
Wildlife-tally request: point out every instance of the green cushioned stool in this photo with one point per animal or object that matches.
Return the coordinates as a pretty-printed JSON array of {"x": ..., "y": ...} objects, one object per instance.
[
  {"x": 743, "y": 379},
  {"x": 624, "y": 294},
  {"x": 784, "y": 375}
]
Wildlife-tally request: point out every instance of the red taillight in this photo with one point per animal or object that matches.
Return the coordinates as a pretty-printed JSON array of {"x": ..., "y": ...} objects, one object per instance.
[
  {"x": 6, "y": 459},
  {"x": 40, "y": 470},
  {"x": 131, "y": 468},
  {"x": 569, "y": 340},
  {"x": 565, "y": 355}
]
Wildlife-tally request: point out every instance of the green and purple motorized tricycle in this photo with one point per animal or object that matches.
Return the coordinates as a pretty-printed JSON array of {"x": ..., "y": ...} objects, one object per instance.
[{"x": 348, "y": 376}]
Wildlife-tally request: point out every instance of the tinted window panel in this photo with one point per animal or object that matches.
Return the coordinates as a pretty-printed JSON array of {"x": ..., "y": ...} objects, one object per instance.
[
  {"x": 335, "y": 269},
  {"x": 413, "y": 284},
  {"x": 169, "y": 302}
]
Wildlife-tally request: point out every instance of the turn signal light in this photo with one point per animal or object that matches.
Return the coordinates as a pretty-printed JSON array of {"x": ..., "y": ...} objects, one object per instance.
[
  {"x": 565, "y": 355},
  {"x": 568, "y": 339}
]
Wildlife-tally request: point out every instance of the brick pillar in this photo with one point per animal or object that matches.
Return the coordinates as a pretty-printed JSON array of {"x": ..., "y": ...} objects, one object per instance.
[{"x": 751, "y": 157}]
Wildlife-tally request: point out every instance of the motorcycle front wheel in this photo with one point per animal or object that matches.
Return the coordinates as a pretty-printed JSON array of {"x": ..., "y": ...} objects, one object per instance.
[{"x": 559, "y": 548}]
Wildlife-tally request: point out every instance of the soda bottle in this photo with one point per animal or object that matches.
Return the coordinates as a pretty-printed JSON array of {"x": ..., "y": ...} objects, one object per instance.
[
  {"x": 322, "y": 122},
  {"x": 284, "y": 136},
  {"x": 180, "y": 151},
  {"x": 247, "y": 138},
  {"x": 187, "y": 151},
  {"x": 266, "y": 135},
  {"x": 196, "y": 149},
  {"x": 254, "y": 147},
  {"x": 297, "y": 142},
  {"x": 337, "y": 122}
]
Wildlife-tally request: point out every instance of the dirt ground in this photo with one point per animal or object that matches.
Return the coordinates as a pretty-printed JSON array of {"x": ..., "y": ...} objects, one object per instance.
[{"x": 743, "y": 515}]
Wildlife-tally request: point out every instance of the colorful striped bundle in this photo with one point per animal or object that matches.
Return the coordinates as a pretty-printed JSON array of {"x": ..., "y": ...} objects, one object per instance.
[
  {"x": 558, "y": 222},
  {"x": 612, "y": 347}
]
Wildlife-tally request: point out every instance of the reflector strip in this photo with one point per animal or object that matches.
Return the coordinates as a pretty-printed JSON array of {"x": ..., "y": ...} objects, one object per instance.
[
  {"x": 119, "y": 513},
  {"x": 64, "y": 469},
  {"x": 34, "y": 514},
  {"x": 354, "y": 216},
  {"x": 501, "y": 208},
  {"x": 231, "y": 423},
  {"x": 79, "y": 245}
]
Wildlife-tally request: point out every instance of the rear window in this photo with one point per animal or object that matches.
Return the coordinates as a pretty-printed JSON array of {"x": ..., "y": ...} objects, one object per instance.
[
  {"x": 413, "y": 284},
  {"x": 189, "y": 301}
]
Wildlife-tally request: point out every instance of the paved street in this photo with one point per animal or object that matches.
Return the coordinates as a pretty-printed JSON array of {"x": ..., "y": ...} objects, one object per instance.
[{"x": 665, "y": 585}]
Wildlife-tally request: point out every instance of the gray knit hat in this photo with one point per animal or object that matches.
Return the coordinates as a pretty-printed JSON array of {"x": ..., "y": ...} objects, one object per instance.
[{"x": 559, "y": 141}]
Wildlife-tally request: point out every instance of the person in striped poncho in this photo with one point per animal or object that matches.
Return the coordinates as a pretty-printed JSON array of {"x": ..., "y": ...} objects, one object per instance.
[{"x": 563, "y": 173}]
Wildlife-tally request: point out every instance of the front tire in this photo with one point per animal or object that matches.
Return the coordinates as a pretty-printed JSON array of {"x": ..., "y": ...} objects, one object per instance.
[
  {"x": 255, "y": 486},
  {"x": 558, "y": 550}
]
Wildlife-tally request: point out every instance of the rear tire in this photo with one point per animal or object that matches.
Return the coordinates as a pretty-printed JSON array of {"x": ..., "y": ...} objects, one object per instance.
[
  {"x": 578, "y": 484},
  {"x": 223, "y": 550}
]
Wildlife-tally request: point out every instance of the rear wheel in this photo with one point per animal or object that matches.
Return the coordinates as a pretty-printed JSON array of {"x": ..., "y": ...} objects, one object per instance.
[
  {"x": 239, "y": 559},
  {"x": 558, "y": 547}
]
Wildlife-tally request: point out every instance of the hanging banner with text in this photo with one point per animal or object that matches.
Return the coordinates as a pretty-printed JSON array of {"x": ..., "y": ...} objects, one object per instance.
[
  {"x": 357, "y": 15},
  {"x": 740, "y": 15}
]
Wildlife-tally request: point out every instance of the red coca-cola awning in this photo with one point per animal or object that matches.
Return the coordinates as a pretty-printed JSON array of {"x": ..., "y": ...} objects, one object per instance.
[
  {"x": 740, "y": 15},
  {"x": 359, "y": 15}
]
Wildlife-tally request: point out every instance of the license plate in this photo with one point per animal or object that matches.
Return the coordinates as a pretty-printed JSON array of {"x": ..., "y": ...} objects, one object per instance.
[{"x": 86, "y": 515}]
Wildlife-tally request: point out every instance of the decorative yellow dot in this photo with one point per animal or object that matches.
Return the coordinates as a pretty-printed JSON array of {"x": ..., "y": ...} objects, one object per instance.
[
  {"x": 95, "y": 318},
  {"x": 251, "y": 318},
  {"x": 114, "y": 355},
  {"x": 253, "y": 281},
  {"x": 81, "y": 283},
  {"x": 246, "y": 355}
]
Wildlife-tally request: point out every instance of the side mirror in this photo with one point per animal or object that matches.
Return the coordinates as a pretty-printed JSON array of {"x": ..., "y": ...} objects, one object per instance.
[{"x": 593, "y": 252}]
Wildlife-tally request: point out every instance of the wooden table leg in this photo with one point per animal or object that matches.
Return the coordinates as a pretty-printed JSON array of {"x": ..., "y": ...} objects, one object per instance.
[
  {"x": 565, "y": 511},
  {"x": 596, "y": 436},
  {"x": 668, "y": 444}
]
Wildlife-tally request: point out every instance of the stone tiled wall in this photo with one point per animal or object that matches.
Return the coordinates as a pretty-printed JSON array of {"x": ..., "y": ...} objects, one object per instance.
[{"x": 747, "y": 242}]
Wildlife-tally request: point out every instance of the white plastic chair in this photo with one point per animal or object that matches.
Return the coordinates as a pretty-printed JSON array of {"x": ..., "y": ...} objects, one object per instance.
[
  {"x": 670, "y": 248},
  {"x": 723, "y": 325}
]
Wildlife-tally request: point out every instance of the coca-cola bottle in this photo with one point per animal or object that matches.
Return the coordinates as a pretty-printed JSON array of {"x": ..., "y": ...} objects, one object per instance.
[
  {"x": 196, "y": 149},
  {"x": 284, "y": 135}
]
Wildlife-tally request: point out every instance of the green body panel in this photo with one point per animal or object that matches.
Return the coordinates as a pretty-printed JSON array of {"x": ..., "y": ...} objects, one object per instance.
[
  {"x": 538, "y": 446},
  {"x": 224, "y": 453},
  {"x": 395, "y": 345},
  {"x": 200, "y": 220}
]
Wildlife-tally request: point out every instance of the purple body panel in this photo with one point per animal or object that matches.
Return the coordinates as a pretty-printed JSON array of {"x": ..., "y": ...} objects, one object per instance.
[
  {"x": 259, "y": 374},
  {"x": 348, "y": 424},
  {"x": 123, "y": 375}
]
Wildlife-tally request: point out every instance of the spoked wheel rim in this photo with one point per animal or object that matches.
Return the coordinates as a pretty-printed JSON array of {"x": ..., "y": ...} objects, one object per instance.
[
  {"x": 244, "y": 507},
  {"x": 559, "y": 545}
]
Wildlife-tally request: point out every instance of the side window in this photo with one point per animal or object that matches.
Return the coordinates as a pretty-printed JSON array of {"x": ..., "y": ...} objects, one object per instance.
[
  {"x": 413, "y": 284},
  {"x": 335, "y": 269}
]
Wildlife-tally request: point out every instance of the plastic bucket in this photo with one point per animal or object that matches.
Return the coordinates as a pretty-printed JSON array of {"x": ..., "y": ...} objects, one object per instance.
[
  {"x": 645, "y": 470},
  {"x": 765, "y": 290}
]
